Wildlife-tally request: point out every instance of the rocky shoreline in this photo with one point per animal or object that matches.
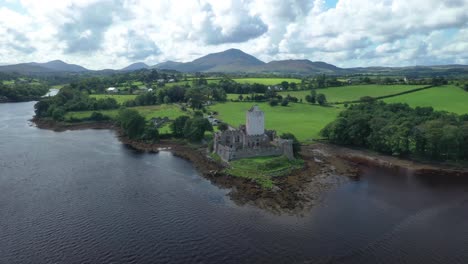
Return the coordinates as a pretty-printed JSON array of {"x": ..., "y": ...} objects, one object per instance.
[
  {"x": 291, "y": 194},
  {"x": 368, "y": 158},
  {"x": 326, "y": 166}
]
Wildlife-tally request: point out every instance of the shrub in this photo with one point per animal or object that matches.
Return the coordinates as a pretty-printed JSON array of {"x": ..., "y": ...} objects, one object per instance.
[
  {"x": 273, "y": 102},
  {"x": 223, "y": 127},
  {"x": 321, "y": 99},
  {"x": 97, "y": 116}
]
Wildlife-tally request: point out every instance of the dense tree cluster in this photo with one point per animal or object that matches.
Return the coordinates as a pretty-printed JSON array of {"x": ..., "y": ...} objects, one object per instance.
[
  {"x": 69, "y": 99},
  {"x": 134, "y": 125},
  {"x": 192, "y": 129},
  {"x": 398, "y": 129},
  {"x": 18, "y": 92}
]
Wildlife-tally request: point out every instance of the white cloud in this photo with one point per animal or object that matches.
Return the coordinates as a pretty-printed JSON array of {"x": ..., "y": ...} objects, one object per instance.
[{"x": 114, "y": 33}]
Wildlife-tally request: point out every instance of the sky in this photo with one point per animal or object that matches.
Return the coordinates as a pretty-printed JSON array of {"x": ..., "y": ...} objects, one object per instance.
[{"x": 101, "y": 34}]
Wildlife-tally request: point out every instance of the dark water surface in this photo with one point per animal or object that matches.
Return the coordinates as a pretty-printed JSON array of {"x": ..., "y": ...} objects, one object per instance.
[{"x": 82, "y": 197}]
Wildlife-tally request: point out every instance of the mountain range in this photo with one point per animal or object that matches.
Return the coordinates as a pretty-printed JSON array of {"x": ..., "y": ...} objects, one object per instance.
[
  {"x": 51, "y": 66},
  {"x": 235, "y": 61}
]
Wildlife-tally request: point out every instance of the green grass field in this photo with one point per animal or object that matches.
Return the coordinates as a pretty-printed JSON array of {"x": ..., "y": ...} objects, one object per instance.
[
  {"x": 306, "y": 121},
  {"x": 354, "y": 92},
  {"x": 447, "y": 98},
  {"x": 120, "y": 98},
  {"x": 303, "y": 120},
  {"x": 171, "y": 111}
]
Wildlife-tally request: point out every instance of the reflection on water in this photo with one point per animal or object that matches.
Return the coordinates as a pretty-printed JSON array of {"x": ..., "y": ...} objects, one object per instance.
[{"x": 80, "y": 196}]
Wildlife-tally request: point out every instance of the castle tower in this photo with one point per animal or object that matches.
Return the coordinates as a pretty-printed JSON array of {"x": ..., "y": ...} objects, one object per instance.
[{"x": 255, "y": 121}]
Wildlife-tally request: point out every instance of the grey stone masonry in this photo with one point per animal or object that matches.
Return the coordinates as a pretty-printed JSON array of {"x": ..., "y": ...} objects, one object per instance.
[{"x": 251, "y": 140}]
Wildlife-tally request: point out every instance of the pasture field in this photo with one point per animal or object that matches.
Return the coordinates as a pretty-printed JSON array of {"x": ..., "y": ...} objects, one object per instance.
[
  {"x": 303, "y": 120},
  {"x": 447, "y": 98},
  {"x": 172, "y": 111},
  {"x": 354, "y": 92},
  {"x": 120, "y": 98}
]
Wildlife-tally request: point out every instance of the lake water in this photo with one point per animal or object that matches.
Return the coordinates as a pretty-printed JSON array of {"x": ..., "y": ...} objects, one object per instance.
[{"x": 83, "y": 197}]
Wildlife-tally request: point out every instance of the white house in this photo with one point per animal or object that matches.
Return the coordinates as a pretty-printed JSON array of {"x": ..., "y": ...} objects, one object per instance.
[{"x": 112, "y": 90}]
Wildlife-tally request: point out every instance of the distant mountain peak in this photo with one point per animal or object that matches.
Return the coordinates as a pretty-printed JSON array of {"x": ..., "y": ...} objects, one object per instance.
[{"x": 136, "y": 66}]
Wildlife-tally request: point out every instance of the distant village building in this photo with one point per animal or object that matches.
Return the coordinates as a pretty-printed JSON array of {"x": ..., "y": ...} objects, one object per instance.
[
  {"x": 251, "y": 140},
  {"x": 112, "y": 90}
]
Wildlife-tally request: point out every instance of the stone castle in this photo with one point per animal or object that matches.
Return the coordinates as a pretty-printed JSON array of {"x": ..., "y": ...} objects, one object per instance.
[{"x": 251, "y": 140}]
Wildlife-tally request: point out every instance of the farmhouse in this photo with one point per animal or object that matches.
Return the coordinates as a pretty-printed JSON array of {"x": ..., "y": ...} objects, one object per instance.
[{"x": 251, "y": 140}]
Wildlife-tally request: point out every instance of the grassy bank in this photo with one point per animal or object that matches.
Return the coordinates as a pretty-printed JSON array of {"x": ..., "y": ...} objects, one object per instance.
[{"x": 262, "y": 170}]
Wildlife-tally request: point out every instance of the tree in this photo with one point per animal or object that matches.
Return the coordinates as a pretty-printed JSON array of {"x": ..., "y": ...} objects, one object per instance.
[
  {"x": 167, "y": 100},
  {"x": 320, "y": 80},
  {"x": 219, "y": 95},
  {"x": 223, "y": 127},
  {"x": 321, "y": 99},
  {"x": 240, "y": 97},
  {"x": 312, "y": 97},
  {"x": 151, "y": 133},
  {"x": 293, "y": 86},
  {"x": 131, "y": 122},
  {"x": 177, "y": 127},
  {"x": 302, "y": 86},
  {"x": 58, "y": 114},
  {"x": 296, "y": 145},
  {"x": 195, "y": 97},
  {"x": 285, "y": 102},
  {"x": 41, "y": 107},
  {"x": 465, "y": 87},
  {"x": 284, "y": 85},
  {"x": 195, "y": 128}
]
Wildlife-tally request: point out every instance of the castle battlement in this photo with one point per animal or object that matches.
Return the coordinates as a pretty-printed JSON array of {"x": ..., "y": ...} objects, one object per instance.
[{"x": 251, "y": 140}]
